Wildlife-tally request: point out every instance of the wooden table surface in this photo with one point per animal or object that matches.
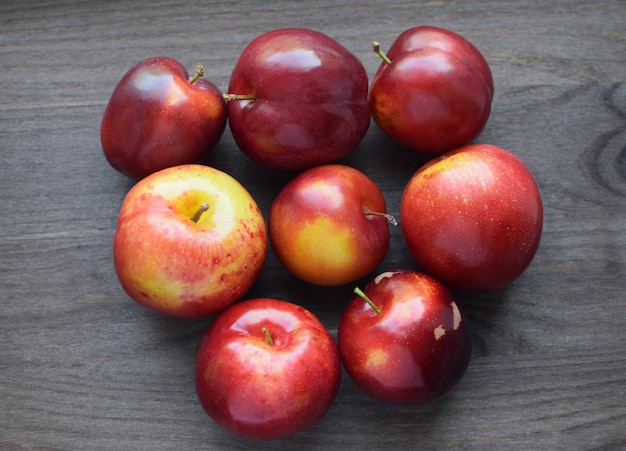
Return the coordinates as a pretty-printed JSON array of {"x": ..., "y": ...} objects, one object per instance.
[{"x": 84, "y": 367}]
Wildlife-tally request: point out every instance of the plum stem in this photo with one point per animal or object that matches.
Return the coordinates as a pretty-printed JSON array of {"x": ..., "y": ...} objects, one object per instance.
[
  {"x": 235, "y": 97},
  {"x": 268, "y": 337},
  {"x": 201, "y": 209},
  {"x": 199, "y": 73},
  {"x": 390, "y": 219},
  {"x": 360, "y": 293},
  {"x": 383, "y": 55}
]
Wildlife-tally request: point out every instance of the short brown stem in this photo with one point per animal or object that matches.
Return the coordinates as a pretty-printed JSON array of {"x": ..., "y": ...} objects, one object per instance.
[
  {"x": 235, "y": 97},
  {"x": 390, "y": 219},
  {"x": 383, "y": 55},
  {"x": 199, "y": 73},
  {"x": 268, "y": 337},
  {"x": 201, "y": 209},
  {"x": 360, "y": 293}
]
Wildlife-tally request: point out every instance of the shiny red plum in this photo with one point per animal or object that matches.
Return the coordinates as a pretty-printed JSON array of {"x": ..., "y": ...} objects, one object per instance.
[
  {"x": 404, "y": 339},
  {"x": 158, "y": 117},
  {"x": 473, "y": 218},
  {"x": 433, "y": 90},
  {"x": 298, "y": 99}
]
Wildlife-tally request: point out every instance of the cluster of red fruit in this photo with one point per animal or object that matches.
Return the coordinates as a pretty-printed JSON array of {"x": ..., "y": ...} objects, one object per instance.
[{"x": 191, "y": 240}]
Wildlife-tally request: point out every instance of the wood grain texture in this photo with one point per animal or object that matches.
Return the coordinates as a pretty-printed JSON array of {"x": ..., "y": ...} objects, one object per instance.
[{"x": 83, "y": 367}]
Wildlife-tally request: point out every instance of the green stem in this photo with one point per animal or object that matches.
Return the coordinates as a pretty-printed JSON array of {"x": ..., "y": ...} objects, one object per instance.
[
  {"x": 359, "y": 292},
  {"x": 383, "y": 55},
  {"x": 268, "y": 337}
]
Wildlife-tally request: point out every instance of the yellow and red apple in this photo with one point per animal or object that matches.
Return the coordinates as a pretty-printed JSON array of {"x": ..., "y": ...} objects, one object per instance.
[
  {"x": 329, "y": 225},
  {"x": 190, "y": 241}
]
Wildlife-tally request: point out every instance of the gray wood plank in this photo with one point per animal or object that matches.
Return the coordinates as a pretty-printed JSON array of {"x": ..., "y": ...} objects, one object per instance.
[{"x": 84, "y": 367}]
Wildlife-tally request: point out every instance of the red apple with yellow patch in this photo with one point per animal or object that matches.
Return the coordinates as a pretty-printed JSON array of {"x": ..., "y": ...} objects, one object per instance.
[
  {"x": 329, "y": 225},
  {"x": 190, "y": 240}
]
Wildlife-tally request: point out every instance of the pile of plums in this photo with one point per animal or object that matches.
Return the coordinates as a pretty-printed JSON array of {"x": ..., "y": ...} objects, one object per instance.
[{"x": 191, "y": 240}]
